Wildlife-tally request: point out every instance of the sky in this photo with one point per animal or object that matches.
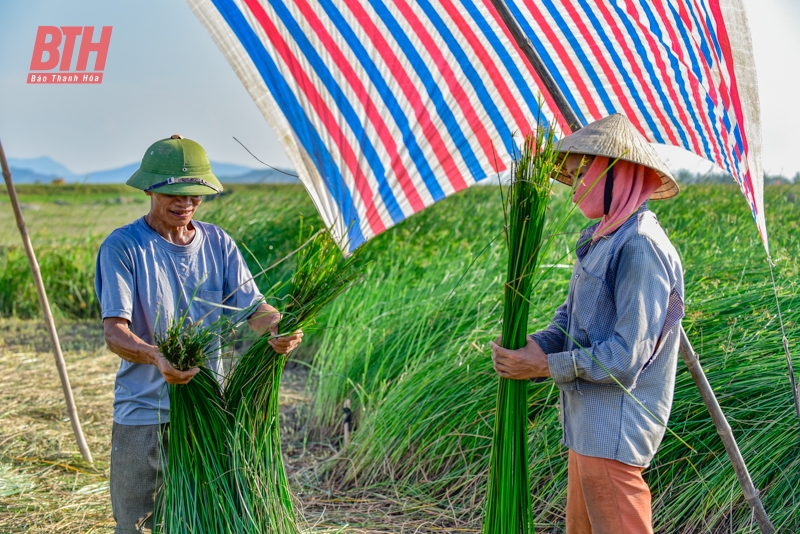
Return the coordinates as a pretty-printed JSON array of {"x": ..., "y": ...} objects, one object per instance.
[{"x": 165, "y": 75}]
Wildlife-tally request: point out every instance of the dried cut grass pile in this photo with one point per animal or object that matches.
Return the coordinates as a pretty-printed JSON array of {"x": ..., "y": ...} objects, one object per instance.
[{"x": 45, "y": 486}]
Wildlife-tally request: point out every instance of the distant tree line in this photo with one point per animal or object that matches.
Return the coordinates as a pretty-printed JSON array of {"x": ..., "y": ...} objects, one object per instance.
[{"x": 687, "y": 177}]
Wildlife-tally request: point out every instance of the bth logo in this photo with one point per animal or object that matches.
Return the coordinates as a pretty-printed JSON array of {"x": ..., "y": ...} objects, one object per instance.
[{"x": 48, "y": 54}]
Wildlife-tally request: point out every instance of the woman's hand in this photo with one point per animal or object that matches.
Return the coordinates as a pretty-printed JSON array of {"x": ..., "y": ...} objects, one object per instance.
[{"x": 522, "y": 364}]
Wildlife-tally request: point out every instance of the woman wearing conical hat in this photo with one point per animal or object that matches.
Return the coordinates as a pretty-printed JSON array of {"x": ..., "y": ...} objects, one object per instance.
[{"x": 612, "y": 347}]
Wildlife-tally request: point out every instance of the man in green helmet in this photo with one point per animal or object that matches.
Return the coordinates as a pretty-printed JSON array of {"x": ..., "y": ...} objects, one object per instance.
[{"x": 147, "y": 272}]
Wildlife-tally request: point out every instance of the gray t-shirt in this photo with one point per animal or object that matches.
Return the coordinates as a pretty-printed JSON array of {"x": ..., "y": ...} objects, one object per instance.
[{"x": 145, "y": 279}]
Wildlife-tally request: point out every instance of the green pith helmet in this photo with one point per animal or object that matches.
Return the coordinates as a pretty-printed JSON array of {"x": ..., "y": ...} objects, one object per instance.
[{"x": 176, "y": 166}]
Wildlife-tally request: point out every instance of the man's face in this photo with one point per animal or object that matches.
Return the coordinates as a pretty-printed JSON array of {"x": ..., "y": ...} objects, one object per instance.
[{"x": 173, "y": 210}]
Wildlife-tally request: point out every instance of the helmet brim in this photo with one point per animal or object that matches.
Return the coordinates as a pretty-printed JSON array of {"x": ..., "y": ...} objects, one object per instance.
[{"x": 143, "y": 180}]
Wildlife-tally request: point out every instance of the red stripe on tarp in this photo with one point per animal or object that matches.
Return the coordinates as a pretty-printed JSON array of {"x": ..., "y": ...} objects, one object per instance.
[
  {"x": 450, "y": 78},
  {"x": 497, "y": 79},
  {"x": 668, "y": 23},
  {"x": 610, "y": 72},
  {"x": 323, "y": 111},
  {"x": 720, "y": 93},
  {"x": 374, "y": 116},
  {"x": 565, "y": 59},
  {"x": 430, "y": 131},
  {"x": 655, "y": 107},
  {"x": 666, "y": 79},
  {"x": 548, "y": 98},
  {"x": 725, "y": 46},
  {"x": 722, "y": 89}
]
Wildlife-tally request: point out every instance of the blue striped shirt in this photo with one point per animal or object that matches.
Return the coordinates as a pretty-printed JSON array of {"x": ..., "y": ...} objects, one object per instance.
[{"x": 622, "y": 316}]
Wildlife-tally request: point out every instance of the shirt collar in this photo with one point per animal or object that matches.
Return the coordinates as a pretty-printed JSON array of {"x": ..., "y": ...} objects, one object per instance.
[{"x": 585, "y": 240}]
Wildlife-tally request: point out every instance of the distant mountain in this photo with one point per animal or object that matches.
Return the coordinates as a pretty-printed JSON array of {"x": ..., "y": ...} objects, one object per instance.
[
  {"x": 229, "y": 169},
  {"x": 45, "y": 170},
  {"x": 119, "y": 175},
  {"x": 25, "y": 176},
  {"x": 43, "y": 166}
]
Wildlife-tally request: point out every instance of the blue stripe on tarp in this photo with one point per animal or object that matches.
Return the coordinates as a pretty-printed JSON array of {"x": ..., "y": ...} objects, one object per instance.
[
  {"x": 710, "y": 107},
  {"x": 304, "y": 130},
  {"x": 519, "y": 81},
  {"x": 641, "y": 49},
  {"x": 530, "y": 33},
  {"x": 655, "y": 28},
  {"x": 711, "y": 27},
  {"x": 472, "y": 77},
  {"x": 574, "y": 45},
  {"x": 345, "y": 108},
  {"x": 704, "y": 48},
  {"x": 623, "y": 71},
  {"x": 449, "y": 121},
  {"x": 389, "y": 100}
]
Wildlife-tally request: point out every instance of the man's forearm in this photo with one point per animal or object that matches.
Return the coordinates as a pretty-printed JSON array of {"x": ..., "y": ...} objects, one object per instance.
[
  {"x": 127, "y": 345},
  {"x": 264, "y": 317}
]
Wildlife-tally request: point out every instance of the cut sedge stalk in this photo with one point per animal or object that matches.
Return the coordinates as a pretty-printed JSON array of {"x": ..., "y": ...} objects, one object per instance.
[
  {"x": 252, "y": 390},
  {"x": 507, "y": 509},
  {"x": 224, "y": 471},
  {"x": 197, "y": 495}
]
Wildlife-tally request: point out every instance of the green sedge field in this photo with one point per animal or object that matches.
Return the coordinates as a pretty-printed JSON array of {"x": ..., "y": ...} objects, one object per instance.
[{"x": 408, "y": 347}]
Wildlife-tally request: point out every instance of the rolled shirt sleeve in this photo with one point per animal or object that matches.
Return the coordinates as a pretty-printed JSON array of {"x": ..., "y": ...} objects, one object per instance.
[{"x": 641, "y": 296}]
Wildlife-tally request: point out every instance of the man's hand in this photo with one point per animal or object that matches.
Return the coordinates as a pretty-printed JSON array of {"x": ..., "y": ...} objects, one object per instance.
[
  {"x": 128, "y": 346},
  {"x": 266, "y": 317},
  {"x": 172, "y": 375},
  {"x": 522, "y": 364},
  {"x": 285, "y": 344}
]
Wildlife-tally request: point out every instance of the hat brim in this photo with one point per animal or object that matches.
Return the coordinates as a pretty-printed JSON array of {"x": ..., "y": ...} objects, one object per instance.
[
  {"x": 142, "y": 180},
  {"x": 668, "y": 189},
  {"x": 614, "y": 137}
]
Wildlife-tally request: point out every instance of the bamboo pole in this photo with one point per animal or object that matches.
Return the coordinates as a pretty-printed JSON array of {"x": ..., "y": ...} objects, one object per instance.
[
  {"x": 749, "y": 490},
  {"x": 536, "y": 62},
  {"x": 751, "y": 494},
  {"x": 48, "y": 316}
]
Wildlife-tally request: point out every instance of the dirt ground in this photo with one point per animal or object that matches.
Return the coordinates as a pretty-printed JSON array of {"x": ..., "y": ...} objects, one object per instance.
[{"x": 46, "y": 487}]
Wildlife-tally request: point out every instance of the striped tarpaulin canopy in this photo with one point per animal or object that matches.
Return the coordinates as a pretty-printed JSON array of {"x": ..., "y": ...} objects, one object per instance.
[{"x": 387, "y": 106}]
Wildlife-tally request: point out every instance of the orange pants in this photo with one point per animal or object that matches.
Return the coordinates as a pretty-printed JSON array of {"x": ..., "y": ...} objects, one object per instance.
[{"x": 606, "y": 497}]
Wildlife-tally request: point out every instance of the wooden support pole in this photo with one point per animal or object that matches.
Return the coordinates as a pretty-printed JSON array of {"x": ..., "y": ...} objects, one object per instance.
[
  {"x": 749, "y": 490},
  {"x": 723, "y": 428},
  {"x": 533, "y": 58},
  {"x": 48, "y": 316}
]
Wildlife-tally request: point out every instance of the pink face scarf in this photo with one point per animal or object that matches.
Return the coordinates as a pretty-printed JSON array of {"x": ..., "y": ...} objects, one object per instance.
[{"x": 633, "y": 184}]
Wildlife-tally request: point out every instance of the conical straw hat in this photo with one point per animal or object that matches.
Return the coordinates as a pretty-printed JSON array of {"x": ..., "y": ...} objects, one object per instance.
[{"x": 615, "y": 137}]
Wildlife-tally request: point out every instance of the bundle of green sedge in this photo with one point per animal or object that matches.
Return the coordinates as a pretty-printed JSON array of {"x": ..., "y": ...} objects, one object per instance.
[
  {"x": 508, "y": 500},
  {"x": 224, "y": 471},
  {"x": 197, "y": 495},
  {"x": 252, "y": 388}
]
